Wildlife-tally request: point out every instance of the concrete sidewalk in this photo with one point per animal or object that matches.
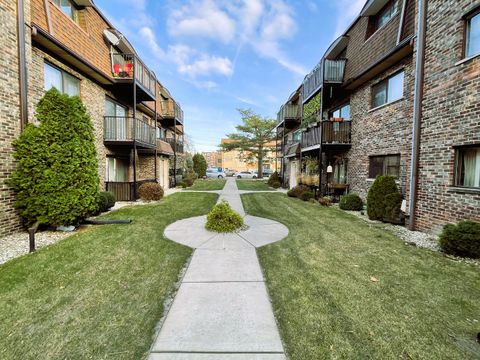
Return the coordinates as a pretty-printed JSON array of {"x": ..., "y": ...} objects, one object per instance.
[{"x": 222, "y": 309}]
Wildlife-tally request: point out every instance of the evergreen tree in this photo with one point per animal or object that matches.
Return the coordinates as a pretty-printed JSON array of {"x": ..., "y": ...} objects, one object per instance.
[{"x": 200, "y": 165}]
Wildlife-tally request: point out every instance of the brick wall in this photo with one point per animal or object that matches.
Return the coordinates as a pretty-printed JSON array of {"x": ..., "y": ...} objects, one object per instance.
[{"x": 451, "y": 117}]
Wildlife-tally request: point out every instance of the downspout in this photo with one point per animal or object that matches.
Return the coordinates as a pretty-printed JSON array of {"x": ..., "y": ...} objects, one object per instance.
[
  {"x": 155, "y": 134},
  {"x": 22, "y": 64},
  {"x": 174, "y": 147},
  {"x": 417, "y": 109},
  {"x": 134, "y": 122}
]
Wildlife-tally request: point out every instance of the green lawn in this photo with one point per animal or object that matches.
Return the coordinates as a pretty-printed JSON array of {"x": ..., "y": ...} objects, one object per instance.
[
  {"x": 99, "y": 293},
  {"x": 253, "y": 185},
  {"x": 424, "y": 305},
  {"x": 208, "y": 184}
]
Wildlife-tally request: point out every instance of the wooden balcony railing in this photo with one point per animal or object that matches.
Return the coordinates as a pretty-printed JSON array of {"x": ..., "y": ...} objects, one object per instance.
[
  {"x": 170, "y": 109},
  {"x": 333, "y": 133},
  {"x": 129, "y": 66},
  {"x": 126, "y": 129}
]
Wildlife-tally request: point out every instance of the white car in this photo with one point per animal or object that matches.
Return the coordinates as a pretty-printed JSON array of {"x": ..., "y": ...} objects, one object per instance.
[
  {"x": 215, "y": 174},
  {"x": 246, "y": 175}
]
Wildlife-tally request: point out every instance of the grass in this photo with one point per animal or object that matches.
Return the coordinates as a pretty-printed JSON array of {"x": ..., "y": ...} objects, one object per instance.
[
  {"x": 99, "y": 293},
  {"x": 208, "y": 184},
  {"x": 253, "y": 185},
  {"x": 424, "y": 305}
]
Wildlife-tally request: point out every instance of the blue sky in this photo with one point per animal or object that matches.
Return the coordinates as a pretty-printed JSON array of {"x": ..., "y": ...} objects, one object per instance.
[{"x": 219, "y": 55}]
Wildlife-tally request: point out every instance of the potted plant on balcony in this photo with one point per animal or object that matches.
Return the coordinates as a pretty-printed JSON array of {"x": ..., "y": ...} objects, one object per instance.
[{"x": 336, "y": 119}]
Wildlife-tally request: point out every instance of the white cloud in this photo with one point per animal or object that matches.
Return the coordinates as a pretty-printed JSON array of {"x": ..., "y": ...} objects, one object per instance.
[
  {"x": 347, "y": 10},
  {"x": 206, "y": 65},
  {"x": 201, "y": 18}
]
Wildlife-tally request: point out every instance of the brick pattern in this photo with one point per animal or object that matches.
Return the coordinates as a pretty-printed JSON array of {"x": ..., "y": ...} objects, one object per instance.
[{"x": 451, "y": 117}]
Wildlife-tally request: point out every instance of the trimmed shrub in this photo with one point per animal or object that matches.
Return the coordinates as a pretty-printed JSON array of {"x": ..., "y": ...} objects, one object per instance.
[
  {"x": 106, "y": 201},
  {"x": 182, "y": 184},
  {"x": 199, "y": 165},
  {"x": 223, "y": 219},
  {"x": 325, "y": 201},
  {"x": 381, "y": 187},
  {"x": 306, "y": 196},
  {"x": 297, "y": 191},
  {"x": 462, "y": 239},
  {"x": 393, "y": 205},
  {"x": 150, "y": 191},
  {"x": 351, "y": 202},
  {"x": 188, "y": 181},
  {"x": 56, "y": 179},
  {"x": 274, "y": 180}
]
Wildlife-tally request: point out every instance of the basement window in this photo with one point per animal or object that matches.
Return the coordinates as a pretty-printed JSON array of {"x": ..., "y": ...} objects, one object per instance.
[
  {"x": 472, "y": 43},
  {"x": 467, "y": 167}
]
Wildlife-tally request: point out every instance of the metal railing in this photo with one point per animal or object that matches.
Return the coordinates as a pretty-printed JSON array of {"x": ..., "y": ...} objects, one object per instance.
[
  {"x": 124, "y": 190},
  {"x": 288, "y": 111},
  {"x": 171, "y": 109},
  {"x": 176, "y": 144},
  {"x": 124, "y": 129},
  {"x": 333, "y": 133},
  {"x": 334, "y": 70},
  {"x": 126, "y": 66},
  {"x": 331, "y": 71}
]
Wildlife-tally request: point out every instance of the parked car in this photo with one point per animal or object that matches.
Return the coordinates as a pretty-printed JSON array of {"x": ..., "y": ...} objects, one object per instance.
[
  {"x": 215, "y": 174},
  {"x": 267, "y": 172},
  {"x": 229, "y": 172},
  {"x": 246, "y": 175}
]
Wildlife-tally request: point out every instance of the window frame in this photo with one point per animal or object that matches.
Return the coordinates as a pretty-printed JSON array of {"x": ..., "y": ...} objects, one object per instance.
[
  {"x": 387, "y": 82},
  {"x": 387, "y": 6},
  {"x": 75, "y": 10},
  {"x": 466, "y": 32},
  {"x": 384, "y": 167},
  {"x": 340, "y": 108},
  {"x": 456, "y": 170},
  {"x": 63, "y": 74}
]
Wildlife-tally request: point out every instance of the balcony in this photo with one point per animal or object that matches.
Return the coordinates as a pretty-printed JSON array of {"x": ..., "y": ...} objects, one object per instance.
[
  {"x": 332, "y": 134},
  {"x": 290, "y": 114},
  {"x": 124, "y": 191},
  {"x": 126, "y": 130},
  {"x": 171, "y": 112},
  {"x": 129, "y": 67},
  {"x": 327, "y": 71},
  {"x": 334, "y": 71},
  {"x": 176, "y": 144}
]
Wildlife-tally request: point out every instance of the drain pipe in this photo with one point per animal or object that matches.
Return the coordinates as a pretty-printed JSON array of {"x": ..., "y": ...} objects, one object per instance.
[
  {"x": 417, "y": 109},
  {"x": 22, "y": 64}
]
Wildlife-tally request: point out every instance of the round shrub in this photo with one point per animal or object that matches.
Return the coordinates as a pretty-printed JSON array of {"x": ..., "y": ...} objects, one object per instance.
[
  {"x": 351, "y": 202},
  {"x": 306, "y": 196},
  {"x": 325, "y": 201},
  {"x": 275, "y": 184},
  {"x": 273, "y": 180},
  {"x": 298, "y": 190},
  {"x": 56, "y": 179},
  {"x": 106, "y": 201},
  {"x": 223, "y": 219},
  {"x": 462, "y": 239},
  {"x": 188, "y": 181},
  {"x": 393, "y": 205},
  {"x": 381, "y": 187},
  {"x": 150, "y": 191}
]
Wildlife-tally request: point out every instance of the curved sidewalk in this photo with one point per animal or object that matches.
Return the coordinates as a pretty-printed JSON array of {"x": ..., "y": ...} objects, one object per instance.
[{"x": 222, "y": 309}]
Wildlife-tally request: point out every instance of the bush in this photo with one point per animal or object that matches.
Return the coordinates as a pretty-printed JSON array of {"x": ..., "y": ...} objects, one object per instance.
[
  {"x": 106, "y": 201},
  {"x": 351, "y": 202},
  {"x": 381, "y": 187},
  {"x": 223, "y": 219},
  {"x": 462, "y": 239},
  {"x": 325, "y": 201},
  {"x": 274, "y": 180},
  {"x": 56, "y": 179},
  {"x": 182, "y": 184},
  {"x": 393, "y": 204},
  {"x": 306, "y": 196},
  {"x": 298, "y": 190},
  {"x": 188, "y": 181},
  {"x": 200, "y": 165},
  {"x": 150, "y": 191}
]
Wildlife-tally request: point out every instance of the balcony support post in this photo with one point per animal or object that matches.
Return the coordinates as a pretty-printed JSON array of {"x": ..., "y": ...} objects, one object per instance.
[
  {"x": 155, "y": 135},
  {"x": 134, "y": 123},
  {"x": 174, "y": 151}
]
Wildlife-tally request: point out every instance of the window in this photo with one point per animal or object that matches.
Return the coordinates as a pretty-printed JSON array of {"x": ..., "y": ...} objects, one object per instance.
[
  {"x": 160, "y": 133},
  {"x": 384, "y": 165},
  {"x": 61, "y": 80},
  {"x": 388, "y": 12},
  {"x": 342, "y": 112},
  {"x": 68, "y": 8},
  {"x": 473, "y": 35},
  {"x": 116, "y": 120},
  {"x": 297, "y": 135},
  {"x": 467, "y": 167},
  {"x": 388, "y": 90},
  {"x": 117, "y": 169}
]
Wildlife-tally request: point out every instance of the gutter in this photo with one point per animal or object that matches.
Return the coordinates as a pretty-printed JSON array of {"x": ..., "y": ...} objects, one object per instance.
[
  {"x": 22, "y": 64},
  {"x": 417, "y": 109}
]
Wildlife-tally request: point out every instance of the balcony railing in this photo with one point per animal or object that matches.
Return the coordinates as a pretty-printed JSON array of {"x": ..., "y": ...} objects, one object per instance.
[
  {"x": 176, "y": 144},
  {"x": 129, "y": 66},
  {"x": 126, "y": 129},
  {"x": 334, "y": 71},
  {"x": 124, "y": 190},
  {"x": 326, "y": 71},
  {"x": 333, "y": 133},
  {"x": 170, "y": 109},
  {"x": 288, "y": 111}
]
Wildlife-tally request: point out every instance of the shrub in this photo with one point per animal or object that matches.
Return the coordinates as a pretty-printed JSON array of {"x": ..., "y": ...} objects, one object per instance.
[
  {"x": 106, "y": 201},
  {"x": 274, "y": 180},
  {"x": 351, "y": 202},
  {"x": 393, "y": 204},
  {"x": 200, "y": 165},
  {"x": 298, "y": 190},
  {"x": 223, "y": 219},
  {"x": 150, "y": 191},
  {"x": 182, "y": 184},
  {"x": 188, "y": 181},
  {"x": 56, "y": 179},
  {"x": 381, "y": 187},
  {"x": 462, "y": 239},
  {"x": 325, "y": 201},
  {"x": 306, "y": 196}
]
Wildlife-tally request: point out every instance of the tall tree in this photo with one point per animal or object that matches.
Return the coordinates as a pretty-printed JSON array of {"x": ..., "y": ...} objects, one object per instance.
[
  {"x": 199, "y": 165},
  {"x": 253, "y": 137}
]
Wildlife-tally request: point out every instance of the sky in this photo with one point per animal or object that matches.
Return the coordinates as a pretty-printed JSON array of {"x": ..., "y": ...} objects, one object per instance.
[{"x": 215, "y": 56}]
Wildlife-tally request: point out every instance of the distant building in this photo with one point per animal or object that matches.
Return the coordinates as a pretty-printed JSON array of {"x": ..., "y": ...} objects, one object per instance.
[
  {"x": 233, "y": 160},
  {"x": 213, "y": 158}
]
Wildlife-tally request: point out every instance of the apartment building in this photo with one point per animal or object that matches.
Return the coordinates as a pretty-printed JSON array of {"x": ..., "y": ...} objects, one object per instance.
[
  {"x": 213, "y": 159},
  {"x": 398, "y": 91},
  {"x": 235, "y": 160},
  {"x": 71, "y": 46}
]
